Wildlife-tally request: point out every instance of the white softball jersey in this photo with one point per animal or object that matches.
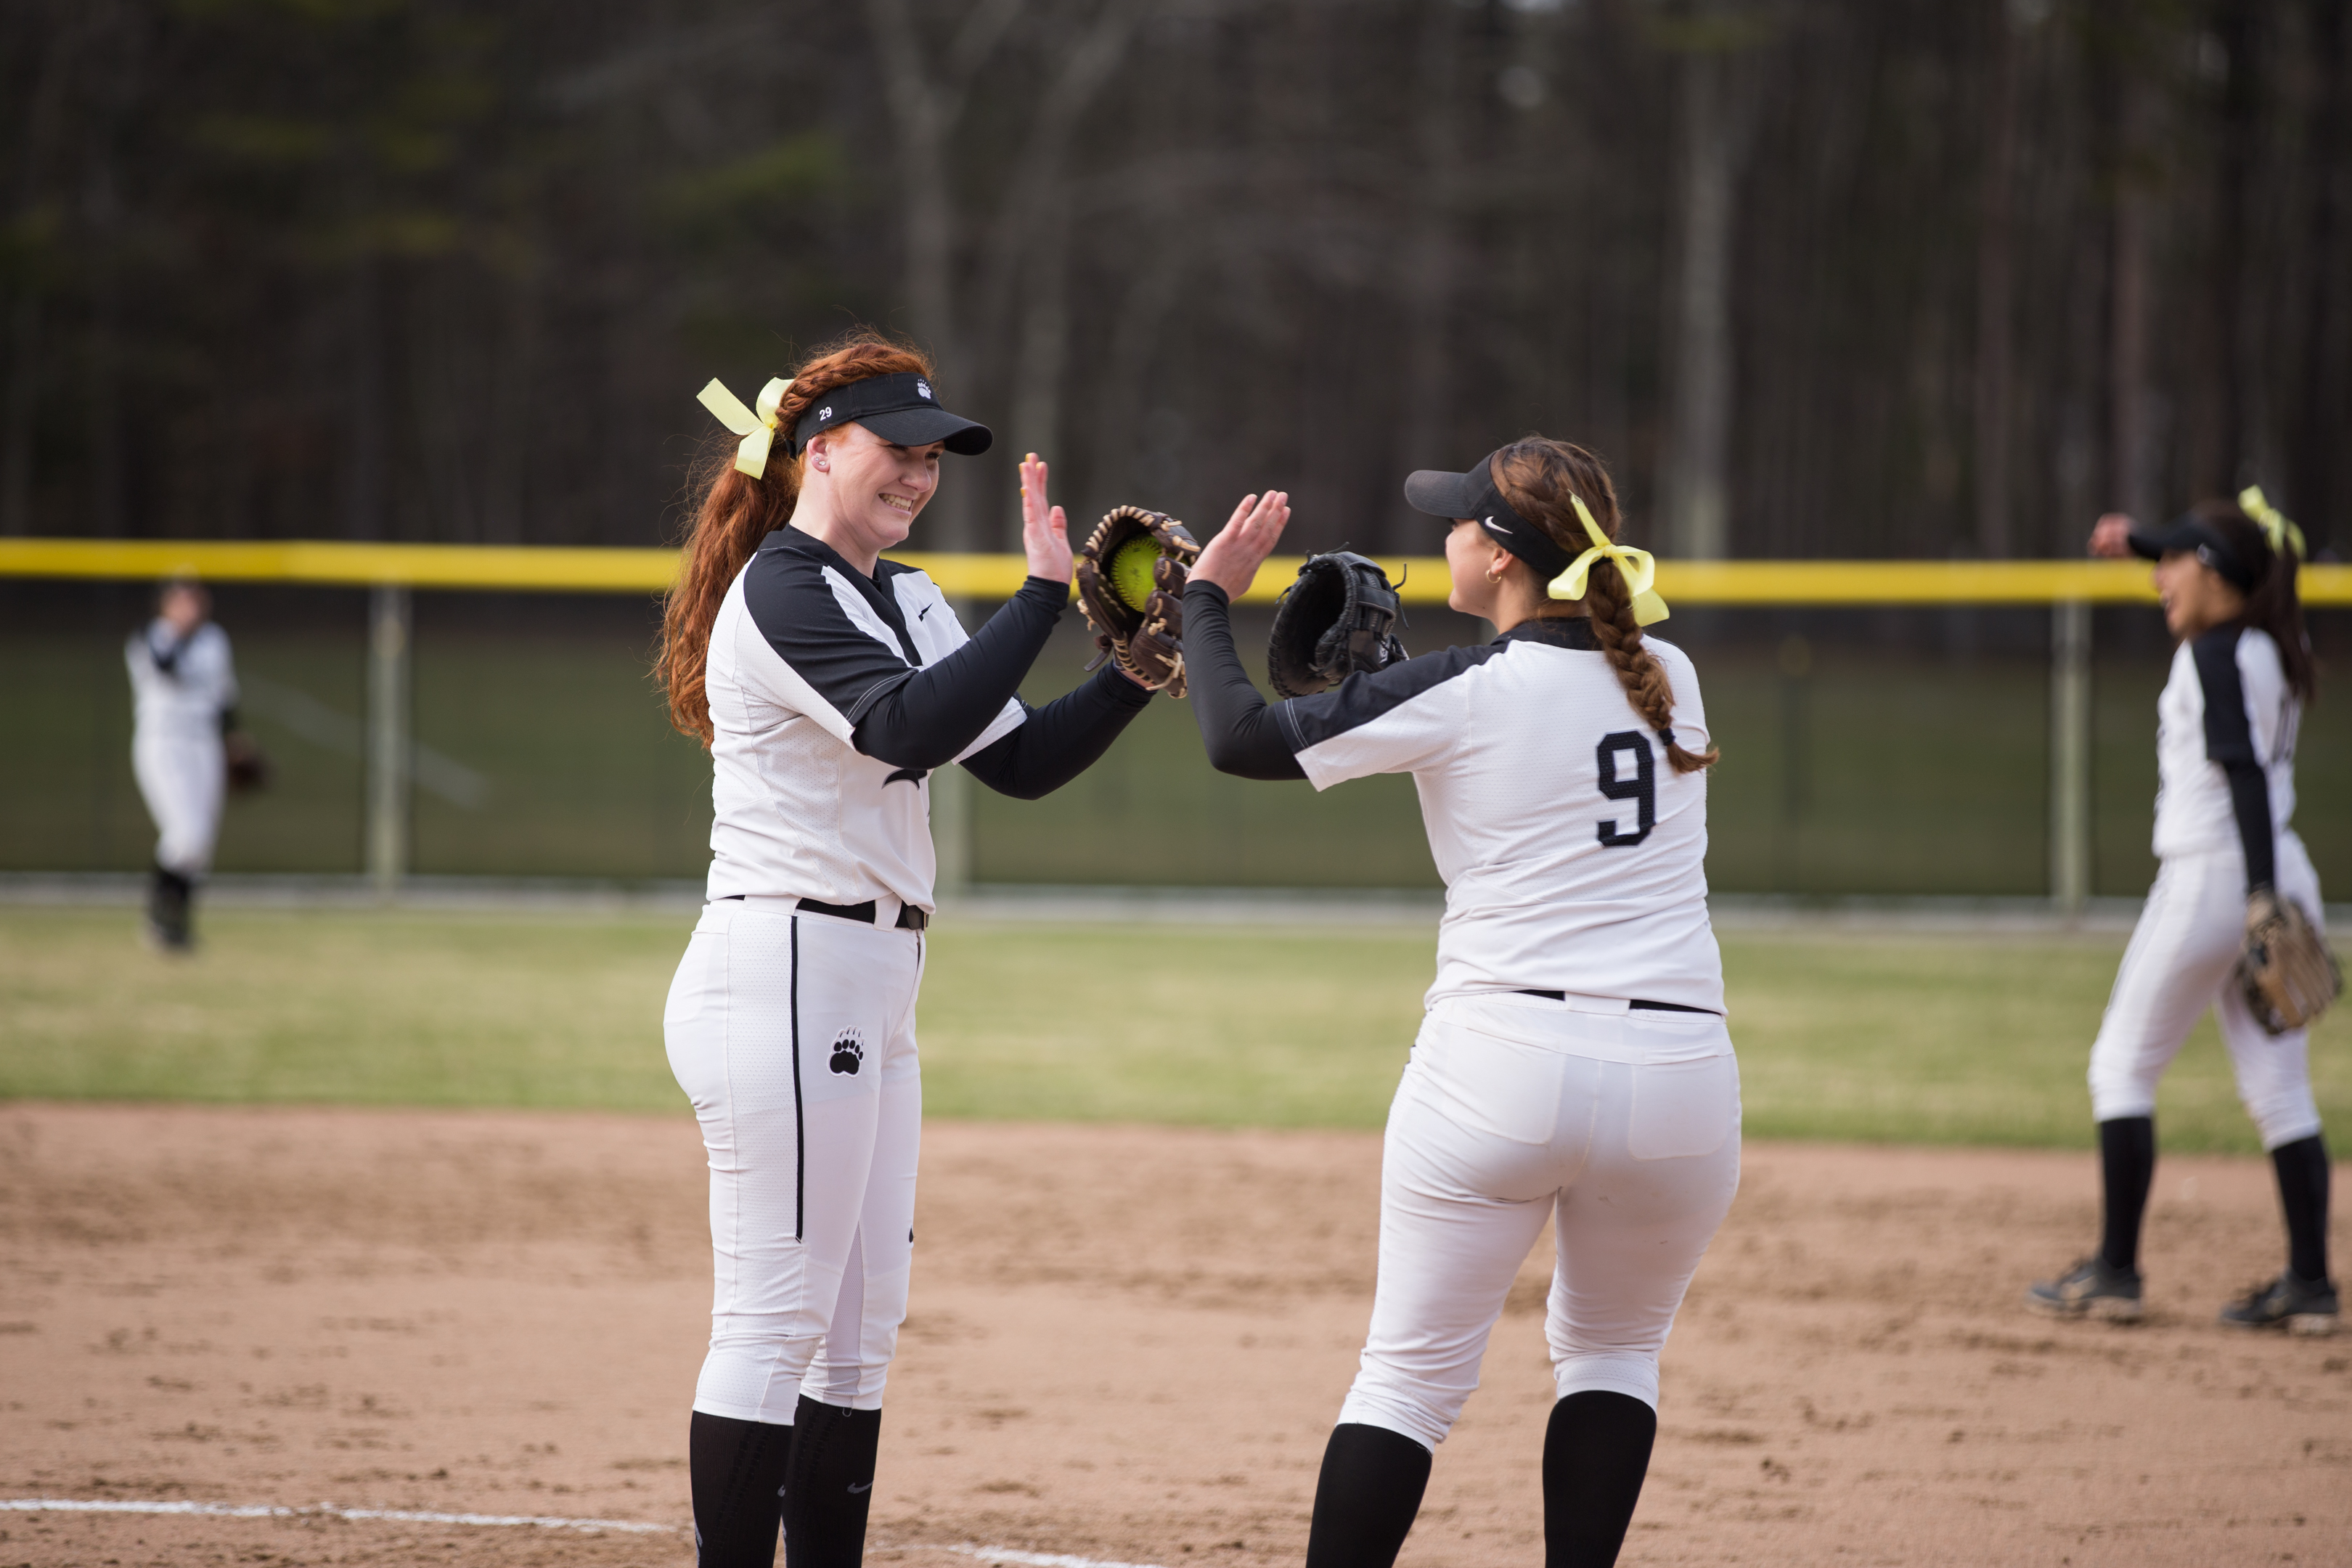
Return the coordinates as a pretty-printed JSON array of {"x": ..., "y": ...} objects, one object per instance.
[
  {"x": 792, "y": 1027},
  {"x": 803, "y": 648},
  {"x": 180, "y": 689},
  {"x": 2226, "y": 725},
  {"x": 1573, "y": 1067},
  {"x": 1574, "y": 856},
  {"x": 2227, "y": 697}
]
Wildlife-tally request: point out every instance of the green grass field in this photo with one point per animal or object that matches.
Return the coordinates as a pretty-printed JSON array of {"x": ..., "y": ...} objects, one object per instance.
[{"x": 1889, "y": 1038}]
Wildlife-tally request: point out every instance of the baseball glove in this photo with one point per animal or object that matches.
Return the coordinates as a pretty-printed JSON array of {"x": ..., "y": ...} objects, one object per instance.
[
  {"x": 2287, "y": 971},
  {"x": 249, "y": 767},
  {"x": 1337, "y": 619},
  {"x": 1131, "y": 574}
]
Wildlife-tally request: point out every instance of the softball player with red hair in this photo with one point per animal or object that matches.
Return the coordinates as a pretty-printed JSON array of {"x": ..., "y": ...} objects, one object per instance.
[
  {"x": 829, "y": 684},
  {"x": 1573, "y": 1068}
]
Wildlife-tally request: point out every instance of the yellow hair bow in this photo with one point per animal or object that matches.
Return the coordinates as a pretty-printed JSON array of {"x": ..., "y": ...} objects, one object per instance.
[
  {"x": 2276, "y": 525},
  {"x": 1640, "y": 568},
  {"x": 758, "y": 430}
]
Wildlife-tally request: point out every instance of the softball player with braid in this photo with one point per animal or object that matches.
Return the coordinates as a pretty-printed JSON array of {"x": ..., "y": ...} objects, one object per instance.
[
  {"x": 828, "y": 684},
  {"x": 2225, "y": 766},
  {"x": 1574, "y": 1065}
]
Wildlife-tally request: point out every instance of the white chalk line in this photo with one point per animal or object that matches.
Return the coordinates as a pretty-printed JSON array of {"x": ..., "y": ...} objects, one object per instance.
[
  {"x": 328, "y": 1510},
  {"x": 544, "y": 1522},
  {"x": 1026, "y": 1558}
]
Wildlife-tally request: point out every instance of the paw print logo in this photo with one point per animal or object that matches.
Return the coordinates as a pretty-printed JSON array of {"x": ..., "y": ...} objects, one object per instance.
[
  {"x": 848, "y": 1050},
  {"x": 923, "y": 390}
]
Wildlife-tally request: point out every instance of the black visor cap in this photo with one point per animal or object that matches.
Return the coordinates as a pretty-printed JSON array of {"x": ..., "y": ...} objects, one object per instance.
[
  {"x": 1473, "y": 496},
  {"x": 901, "y": 409},
  {"x": 2192, "y": 535}
]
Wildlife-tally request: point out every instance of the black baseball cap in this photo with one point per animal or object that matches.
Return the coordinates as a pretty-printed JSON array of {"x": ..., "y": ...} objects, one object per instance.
[
  {"x": 2192, "y": 535},
  {"x": 901, "y": 409},
  {"x": 1473, "y": 495}
]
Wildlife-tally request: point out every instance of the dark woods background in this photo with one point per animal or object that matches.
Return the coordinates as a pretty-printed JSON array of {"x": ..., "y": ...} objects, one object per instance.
[{"x": 1868, "y": 278}]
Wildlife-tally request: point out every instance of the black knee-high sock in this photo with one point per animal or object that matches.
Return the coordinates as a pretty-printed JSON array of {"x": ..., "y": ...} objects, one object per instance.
[
  {"x": 1596, "y": 1453},
  {"x": 2302, "y": 1168},
  {"x": 830, "y": 1486},
  {"x": 737, "y": 1468},
  {"x": 2126, "y": 1166},
  {"x": 1364, "y": 1504}
]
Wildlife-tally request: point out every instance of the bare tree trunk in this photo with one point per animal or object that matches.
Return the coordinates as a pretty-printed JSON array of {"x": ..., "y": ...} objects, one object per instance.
[
  {"x": 366, "y": 406},
  {"x": 1994, "y": 274},
  {"x": 16, "y": 413},
  {"x": 1044, "y": 344},
  {"x": 925, "y": 109},
  {"x": 1431, "y": 262},
  {"x": 1034, "y": 231},
  {"x": 110, "y": 487},
  {"x": 1697, "y": 481},
  {"x": 513, "y": 372},
  {"x": 45, "y": 109},
  {"x": 2131, "y": 478},
  {"x": 2236, "y": 314},
  {"x": 2323, "y": 473}
]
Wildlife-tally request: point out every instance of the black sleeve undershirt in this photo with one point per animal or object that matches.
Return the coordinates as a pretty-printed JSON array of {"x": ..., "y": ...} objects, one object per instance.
[
  {"x": 2230, "y": 741},
  {"x": 1237, "y": 726},
  {"x": 1061, "y": 739},
  {"x": 925, "y": 720}
]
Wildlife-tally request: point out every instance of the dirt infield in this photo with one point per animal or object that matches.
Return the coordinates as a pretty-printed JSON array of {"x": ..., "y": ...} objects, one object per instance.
[{"x": 1125, "y": 1344}]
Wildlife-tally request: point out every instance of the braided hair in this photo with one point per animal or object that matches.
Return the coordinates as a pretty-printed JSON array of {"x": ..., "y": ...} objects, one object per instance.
[
  {"x": 737, "y": 511},
  {"x": 1537, "y": 476}
]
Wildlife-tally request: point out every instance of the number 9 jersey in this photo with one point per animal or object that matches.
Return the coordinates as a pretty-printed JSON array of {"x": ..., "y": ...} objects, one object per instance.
[{"x": 1574, "y": 856}]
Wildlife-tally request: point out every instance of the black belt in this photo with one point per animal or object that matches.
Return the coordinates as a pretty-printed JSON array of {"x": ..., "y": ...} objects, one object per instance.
[
  {"x": 909, "y": 917},
  {"x": 1637, "y": 1006}
]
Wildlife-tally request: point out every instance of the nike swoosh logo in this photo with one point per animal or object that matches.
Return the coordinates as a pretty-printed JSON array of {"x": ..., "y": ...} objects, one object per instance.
[{"x": 854, "y": 1488}]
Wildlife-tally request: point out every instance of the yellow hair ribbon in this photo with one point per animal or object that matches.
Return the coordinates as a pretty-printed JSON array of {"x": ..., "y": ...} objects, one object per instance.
[
  {"x": 758, "y": 430},
  {"x": 1640, "y": 568},
  {"x": 2276, "y": 525}
]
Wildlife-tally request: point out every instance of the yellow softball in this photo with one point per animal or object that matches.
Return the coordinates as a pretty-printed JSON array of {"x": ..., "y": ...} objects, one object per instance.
[{"x": 1130, "y": 572}]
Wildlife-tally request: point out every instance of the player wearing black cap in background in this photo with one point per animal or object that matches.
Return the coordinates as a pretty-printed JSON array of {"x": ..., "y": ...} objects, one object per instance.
[
  {"x": 829, "y": 684},
  {"x": 2225, "y": 763},
  {"x": 1573, "y": 1067}
]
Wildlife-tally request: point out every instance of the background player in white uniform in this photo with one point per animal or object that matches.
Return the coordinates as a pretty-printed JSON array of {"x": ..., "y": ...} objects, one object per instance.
[
  {"x": 2225, "y": 766},
  {"x": 828, "y": 683},
  {"x": 1574, "y": 1065},
  {"x": 183, "y": 694}
]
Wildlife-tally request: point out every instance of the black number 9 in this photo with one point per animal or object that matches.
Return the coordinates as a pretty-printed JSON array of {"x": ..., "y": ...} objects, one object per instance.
[{"x": 1642, "y": 788}]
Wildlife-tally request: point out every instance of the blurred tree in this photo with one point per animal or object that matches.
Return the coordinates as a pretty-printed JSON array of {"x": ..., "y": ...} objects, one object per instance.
[{"x": 1883, "y": 277}]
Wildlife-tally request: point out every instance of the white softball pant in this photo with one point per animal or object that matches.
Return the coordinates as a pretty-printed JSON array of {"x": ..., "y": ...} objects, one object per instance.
[
  {"x": 182, "y": 778},
  {"x": 2179, "y": 963},
  {"x": 1621, "y": 1128},
  {"x": 795, "y": 1035}
]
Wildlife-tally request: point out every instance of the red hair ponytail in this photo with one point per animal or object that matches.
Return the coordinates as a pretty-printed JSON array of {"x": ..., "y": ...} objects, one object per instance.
[{"x": 737, "y": 511}]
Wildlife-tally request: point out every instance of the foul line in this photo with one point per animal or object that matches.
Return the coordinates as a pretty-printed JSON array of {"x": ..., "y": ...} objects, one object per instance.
[
  {"x": 328, "y": 1511},
  {"x": 1026, "y": 1558},
  {"x": 545, "y": 1521}
]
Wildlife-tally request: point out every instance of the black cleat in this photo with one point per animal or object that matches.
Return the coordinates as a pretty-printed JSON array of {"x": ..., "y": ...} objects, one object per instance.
[
  {"x": 2089, "y": 1289},
  {"x": 2289, "y": 1302}
]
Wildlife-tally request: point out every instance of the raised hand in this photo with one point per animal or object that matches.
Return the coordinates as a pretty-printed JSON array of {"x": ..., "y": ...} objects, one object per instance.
[
  {"x": 1045, "y": 531},
  {"x": 1231, "y": 559},
  {"x": 2109, "y": 540}
]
